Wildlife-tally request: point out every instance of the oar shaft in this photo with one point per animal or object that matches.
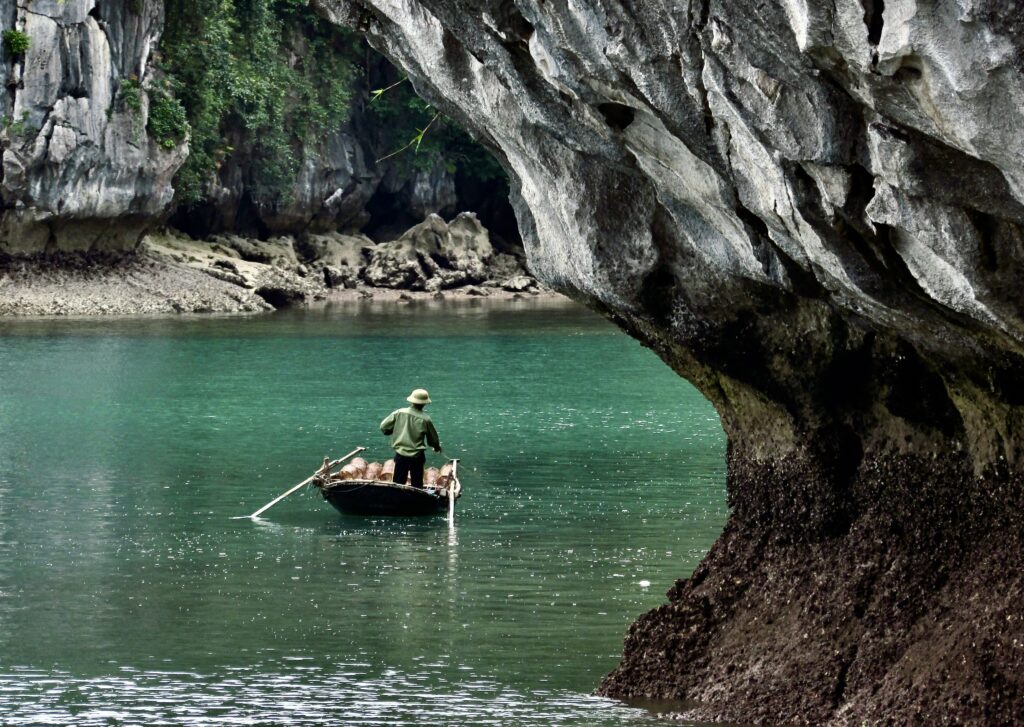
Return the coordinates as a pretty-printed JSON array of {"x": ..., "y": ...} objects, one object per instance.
[
  {"x": 281, "y": 497},
  {"x": 306, "y": 481}
]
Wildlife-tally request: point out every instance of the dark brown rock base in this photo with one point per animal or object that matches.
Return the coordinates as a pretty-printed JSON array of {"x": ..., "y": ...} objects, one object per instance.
[{"x": 910, "y": 613}]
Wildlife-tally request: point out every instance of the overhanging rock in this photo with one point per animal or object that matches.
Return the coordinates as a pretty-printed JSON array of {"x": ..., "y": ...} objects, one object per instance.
[{"x": 813, "y": 211}]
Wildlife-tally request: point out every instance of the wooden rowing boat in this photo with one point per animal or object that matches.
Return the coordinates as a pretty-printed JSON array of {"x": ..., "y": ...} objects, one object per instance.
[
  {"x": 381, "y": 497},
  {"x": 374, "y": 497}
]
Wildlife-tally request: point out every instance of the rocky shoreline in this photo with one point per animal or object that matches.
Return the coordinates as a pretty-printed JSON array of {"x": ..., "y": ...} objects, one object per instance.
[{"x": 172, "y": 273}]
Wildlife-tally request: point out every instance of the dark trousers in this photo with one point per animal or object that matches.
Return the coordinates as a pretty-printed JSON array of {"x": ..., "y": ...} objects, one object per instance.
[{"x": 405, "y": 466}]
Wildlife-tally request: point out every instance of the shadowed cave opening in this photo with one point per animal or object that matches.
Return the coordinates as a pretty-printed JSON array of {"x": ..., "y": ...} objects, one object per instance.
[
  {"x": 873, "y": 10},
  {"x": 617, "y": 116}
]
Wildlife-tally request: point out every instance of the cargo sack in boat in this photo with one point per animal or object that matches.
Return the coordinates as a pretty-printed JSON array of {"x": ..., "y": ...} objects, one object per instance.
[
  {"x": 348, "y": 472},
  {"x": 358, "y": 468},
  {"x": 387, "y": 472},
  {"x": 373, "y": 471}
]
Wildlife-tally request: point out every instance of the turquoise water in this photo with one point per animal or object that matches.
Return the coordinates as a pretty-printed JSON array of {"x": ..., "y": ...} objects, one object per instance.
[{"x": 128, "y": 595}]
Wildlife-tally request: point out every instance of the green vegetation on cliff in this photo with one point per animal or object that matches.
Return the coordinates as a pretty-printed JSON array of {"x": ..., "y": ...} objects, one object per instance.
[
  {"x": 168, "y": 120},
  {"x": 268, "y": 69},
  {"x": 405, "y": 115},
  {"x": 15, "y": 42},
  {"x": 273, "y": 77}
]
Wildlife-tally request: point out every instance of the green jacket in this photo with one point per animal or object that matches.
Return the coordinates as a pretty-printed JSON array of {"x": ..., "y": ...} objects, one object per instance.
[{"x": 409, "y": 427}]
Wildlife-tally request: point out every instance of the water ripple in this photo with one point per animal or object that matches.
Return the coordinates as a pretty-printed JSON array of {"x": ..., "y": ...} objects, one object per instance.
[{"x": 268, "y": 694}]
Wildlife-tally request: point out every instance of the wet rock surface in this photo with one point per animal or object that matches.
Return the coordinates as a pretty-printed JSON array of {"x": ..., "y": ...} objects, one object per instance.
[{"x": 813, "y": 211}]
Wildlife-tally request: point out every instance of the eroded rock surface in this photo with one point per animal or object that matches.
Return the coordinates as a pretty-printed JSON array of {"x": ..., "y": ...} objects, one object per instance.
[
  {"x": 433, "y": 255},
  {"x": 813, "y": 211},
  {"x": 80, "y": 171},
  {"x": 171, "y": 272},
  {"x": 267, "y": 270}
]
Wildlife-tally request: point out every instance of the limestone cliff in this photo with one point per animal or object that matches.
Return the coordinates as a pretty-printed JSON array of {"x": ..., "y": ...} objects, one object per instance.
[
  {"x": 83, "y": 173},
  {"x": 80, "y": 171},
  {"x": 339, "y": 184},
  {"x": 811, "y": 209}
]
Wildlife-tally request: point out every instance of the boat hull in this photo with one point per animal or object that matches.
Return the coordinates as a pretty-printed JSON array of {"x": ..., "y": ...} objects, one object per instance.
[{"x": 367, "y": 497}]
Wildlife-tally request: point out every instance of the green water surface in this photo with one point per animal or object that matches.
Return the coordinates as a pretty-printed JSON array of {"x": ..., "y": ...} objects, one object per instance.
[{"x": 128, "y": 595}]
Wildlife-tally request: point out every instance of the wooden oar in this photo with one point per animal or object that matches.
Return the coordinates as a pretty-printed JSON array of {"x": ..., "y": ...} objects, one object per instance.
[
  {"x": 451, "y": 491},
  {"x": 330, "y": 466}
]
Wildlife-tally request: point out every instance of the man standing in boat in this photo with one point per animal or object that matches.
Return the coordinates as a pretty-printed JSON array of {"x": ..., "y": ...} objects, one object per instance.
[{"x": 411, "y": 430}]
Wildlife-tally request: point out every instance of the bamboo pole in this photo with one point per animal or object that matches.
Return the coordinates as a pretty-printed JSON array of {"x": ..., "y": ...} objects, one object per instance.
[
  {"x": 452, "y": 484},
  {"x": 306, "y": 481}
]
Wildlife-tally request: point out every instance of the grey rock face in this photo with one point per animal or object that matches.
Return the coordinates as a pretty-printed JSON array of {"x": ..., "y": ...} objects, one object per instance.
[
  {"x": 721, "y": 125},
  {"x": 80, "y": 172},
  {"x": 433, "y": 255},
  {"x": 338, "y": 177},
  {"x": 813, "y": 211},
  {"x": 424, "y": 192},
  {"x": 341, "y": 259}
]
